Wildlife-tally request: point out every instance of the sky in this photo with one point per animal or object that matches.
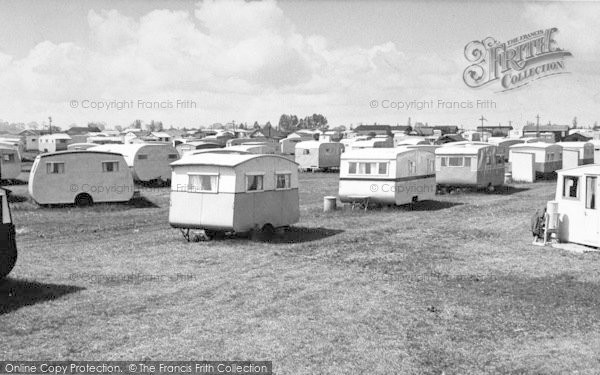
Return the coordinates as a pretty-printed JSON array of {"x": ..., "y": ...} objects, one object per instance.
[{"x": 189, "y": 63}]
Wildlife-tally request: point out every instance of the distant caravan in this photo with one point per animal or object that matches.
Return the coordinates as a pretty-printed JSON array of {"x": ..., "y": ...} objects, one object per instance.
[
  {"x": 315, "y": 155},
  {"x": 149, "y": 162},
  {"x": 10, "y": 163},
  {"x": 387, "y": 176},
  {"x": 80, "y": 177},
  {"x": 469, "y": 164}
]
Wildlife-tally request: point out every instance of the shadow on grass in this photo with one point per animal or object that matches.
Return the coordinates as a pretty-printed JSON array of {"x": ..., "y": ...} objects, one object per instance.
[
  {"x": 296, "y": 235},
  {"x": 135, "y": 202},
  {"x": 501, "y": 190},
  {"x": 509, "y": 190},
  {"x": 16, "y": 198},
  {"x": 141, "y": 202},
  {"x": 15, "y": 293},
  {"x": 12, "y": 182},
  {"x": 423, "y": 206},
  {"x": 153, "y": 184}
]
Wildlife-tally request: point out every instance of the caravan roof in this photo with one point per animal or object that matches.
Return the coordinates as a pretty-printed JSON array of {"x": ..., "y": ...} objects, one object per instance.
[
  {"x": 533, "y": 146},
  {"x": 375, "y": 153},
  {"x": 70, "y": 152},
  {"x": 308, "y": 144},
  {"x": 592, "y": 169},
  {"x": 221, "y": 159},
  {"x": 462, "y": 148}
]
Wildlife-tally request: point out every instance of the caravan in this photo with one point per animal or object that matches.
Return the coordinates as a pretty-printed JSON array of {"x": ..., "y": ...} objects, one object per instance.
[
  {"x": 10, "y": 163},
  {"x": 469, "y": 164},
  {"x": 391, "y": 176},
  {"x": 231, "y": 192},
  {"x": 311, "y": 155},
  {"x": 148, "y": 161},
  {"x": 547, "y": 157},
  {"x": 80, "y": 177},
  {"x": 578, "y": 208},
  {"x": 576, "y": 153}
]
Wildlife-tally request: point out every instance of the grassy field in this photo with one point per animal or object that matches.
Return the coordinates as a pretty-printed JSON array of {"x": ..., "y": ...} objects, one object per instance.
[{"x": 450, "y": 286}]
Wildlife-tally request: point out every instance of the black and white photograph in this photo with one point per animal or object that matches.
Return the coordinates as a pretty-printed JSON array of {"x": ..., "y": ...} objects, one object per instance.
[{"x": 274, "y": 187}]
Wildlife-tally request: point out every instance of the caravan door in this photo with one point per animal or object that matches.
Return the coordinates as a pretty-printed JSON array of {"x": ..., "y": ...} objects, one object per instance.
[{"x": 592, "y": 216}]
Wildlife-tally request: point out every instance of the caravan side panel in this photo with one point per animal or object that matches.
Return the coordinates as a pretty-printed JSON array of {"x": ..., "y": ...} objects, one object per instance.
[{"x": 10, "y": 164}]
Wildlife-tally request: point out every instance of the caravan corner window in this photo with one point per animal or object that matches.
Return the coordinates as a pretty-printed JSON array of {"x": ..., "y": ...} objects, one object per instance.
[
  {"x": 570, "y": 187},
  {"x": 590, "y": 192},
  {"x": 430, "y": 166},
  {"x": 9, "y": 158},
  {"x": 110, "y": 166},
  {"x": 412, "y": 167},
  {"x": 383, "y": 169},
  {"x": 283, "y": 180},
  {"x": 254, "y": 182},
  {"x": 203, "y": 183},
  {"x": 55, "y": 167},
  {"x": 352, "y": 167}
]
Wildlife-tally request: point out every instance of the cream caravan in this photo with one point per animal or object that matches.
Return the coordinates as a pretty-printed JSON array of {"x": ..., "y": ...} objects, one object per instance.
[
  {"x": 547, "y": 157},
  {"x": 469, "y": 164},
  {"x": 311, "y": 155},
  {"x": 80, "y": 177},
  {"x": 148, "y": 161},
  {"x": 391, "y": 176},
  {"x": 504, "y": 144},
  {"x": 576, "y": 153},
  {"x": 10, "y": 163},
  {"x": 221, "y": 192},
  {"x": 576, "y": 195}
]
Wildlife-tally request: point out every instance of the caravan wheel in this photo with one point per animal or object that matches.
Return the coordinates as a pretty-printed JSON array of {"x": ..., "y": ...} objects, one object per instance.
[
  {"x": 83, "y": 200},
  {"x": 490, "y": 188}
]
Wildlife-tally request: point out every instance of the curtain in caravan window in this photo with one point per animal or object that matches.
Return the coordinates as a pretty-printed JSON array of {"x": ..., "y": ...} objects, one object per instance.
[
  {"x": 283, "y": 181},
  {"x": 202, "y": 183},
  {"x": 455, "y": 161},
  {"x": 55, "y": 168},
  {"x": 412, "y": 167},
  {"x": 590, "y": 195},
  {"x": 254, "y": 182},
  {"x": 110, "y": 166}
]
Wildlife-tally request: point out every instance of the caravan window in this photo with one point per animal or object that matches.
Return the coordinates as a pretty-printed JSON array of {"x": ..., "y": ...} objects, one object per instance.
[
  {"x": 9, "y": 158},
  {"x": 173, "y": 156},
  {"x": 254, "y": 183},
  {"x": 430, "y": 166},
  {"x": 383, "y": 168},
  {"x": 142, "y": 157},
  {"x": 352, "y": 168},
  {"x": 110, "y": 166},
  {"x": 590, "y": 192},
  {"x": 200, "y": 183},
  {"x": 412, "y": 167},
  {"x": 570, "y": 184},
  {"x": 283, "y": 180},
  {"x": 55, "y": 168},
  {"x": 306, "y": 152},
  {"x": 443, "y": 162},
  {"x": 455, "y": 161},
  {"x": 467, "y": 162}
]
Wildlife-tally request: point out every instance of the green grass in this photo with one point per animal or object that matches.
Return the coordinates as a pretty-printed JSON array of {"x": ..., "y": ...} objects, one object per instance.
[{"x": 450, "y": 286}]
